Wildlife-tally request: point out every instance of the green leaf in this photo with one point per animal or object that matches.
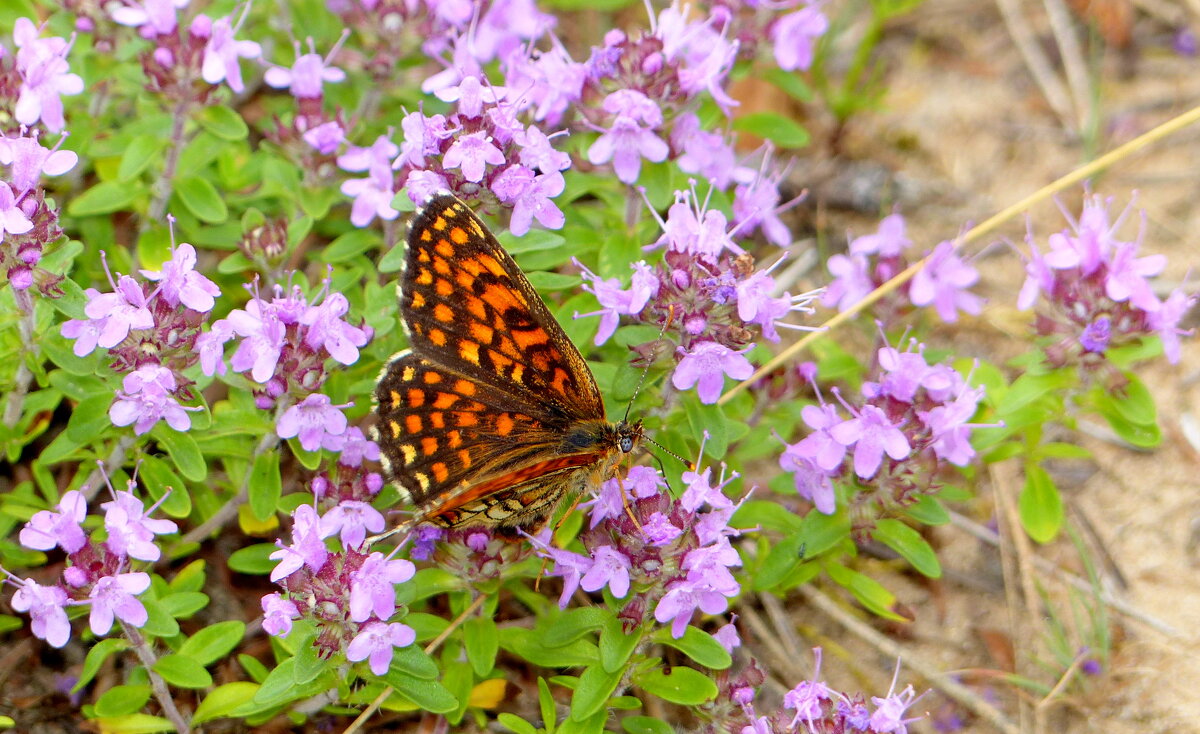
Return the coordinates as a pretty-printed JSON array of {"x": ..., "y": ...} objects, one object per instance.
[
  {"x": 790, "y": 83},
  {"x": 481, "y": 642},
  {"x": 213, "y": 642},
  {"x": 134, "y": 724},
  {"x": 105, "y": 198},
  {"x": 928, "y": 511},
  {"x": 909, "y": 544},
  {"x": 767, "y": 514},
  {"x": 88, "y": 419},
  {"x": 428, "y": 694},
  {"x": 157, "y": 477},
  {"x": 592, "y": 693},
  {"x": 96, "y": 657},
  {"x": 266, "y": 485},
  {"x": 1146, "y": 437},
  {"x": 121, "y": 700},
  {"x": 711, "y": 419},
  {"x": 140, "y": 153},
  {"x": 223, "y": 122},
  {"x": 822, "y": 532},
  {"x": 414, "y": 661},
  {"x": 183, "y": 604},
  {"x": 698, "y": 645},
  {"x": 783, "y": 131},
  {"x": 1061, "y": 450},
  {"x": 1040, "y": 505},
  {"x": 254, "y": 559},
  {"x": 547, "y": 705},
  {"x": 392, "y": 260},
  {"x": 867, "y": 590},
  {"x": 160, "y": 622},
  {"x": 183, "y": 672},
  {"x": 544, "y": 281},
  {"x": 201, "y": 199},
  {"x": 534, "y": 240},
  {"x": 516, "y": 724},
  {"x": 528, "y": 644},
  {"x": 350, "y": 245},
  {"x": 183, "y": 450},
  {"x": 616, "y": 645},
  {"x": 1029, "y": 387},
  {"x": 223, "y": 700},
  {"x": 572, "y": 625},
  {"x": 1135, "y": 404},
  {"x": 645, "y": 725},
  {"x": 681, "y": 685}
]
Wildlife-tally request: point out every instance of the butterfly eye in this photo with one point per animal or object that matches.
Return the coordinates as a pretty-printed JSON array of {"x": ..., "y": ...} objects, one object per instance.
[{"x": 626, "y": 444}]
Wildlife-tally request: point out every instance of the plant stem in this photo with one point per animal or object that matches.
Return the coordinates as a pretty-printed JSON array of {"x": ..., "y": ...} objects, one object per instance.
[
  {"x": 157, "y": 684},
  {"x": 27, "y": 325},
  {"x": 165, "y": 185}
]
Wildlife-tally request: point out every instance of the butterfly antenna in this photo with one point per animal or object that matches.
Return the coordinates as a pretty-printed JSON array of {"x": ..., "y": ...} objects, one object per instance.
[
  {"x": 646, "y": 370},
  {"x": 690, "y": 465}
]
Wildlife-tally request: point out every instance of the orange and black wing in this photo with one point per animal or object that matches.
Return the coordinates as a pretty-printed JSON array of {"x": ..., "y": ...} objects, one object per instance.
[{"x": 466, "y": 306}]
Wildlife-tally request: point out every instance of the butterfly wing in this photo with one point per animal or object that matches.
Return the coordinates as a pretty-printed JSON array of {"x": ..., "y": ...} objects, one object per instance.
[{"x": 465, "y": 304}]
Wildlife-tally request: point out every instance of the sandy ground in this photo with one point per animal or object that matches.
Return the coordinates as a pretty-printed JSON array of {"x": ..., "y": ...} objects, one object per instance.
[{"x": 965, "y": 132}]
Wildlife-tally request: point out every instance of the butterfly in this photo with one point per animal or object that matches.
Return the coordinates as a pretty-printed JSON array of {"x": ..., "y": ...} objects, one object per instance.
[{"x": 491, "y": 417}]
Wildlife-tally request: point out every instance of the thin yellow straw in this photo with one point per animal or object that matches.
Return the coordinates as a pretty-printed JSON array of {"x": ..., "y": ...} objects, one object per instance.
[{"x": 1074, "y": 177}]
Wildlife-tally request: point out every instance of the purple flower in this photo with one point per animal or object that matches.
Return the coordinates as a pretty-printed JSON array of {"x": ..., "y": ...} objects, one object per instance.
[
  {"x": 262, "y": 334},
  {"x": 115, "y": 596},
  {"x": 640, "y": 482},
  {"x": 890, "y": 240},
  {"x": 130, "y": 531},
  {"x": 377, "y": 157},
  {"x": 308, "y": 74},
  {"x": 307, "y": 548},
  {"x": 312, "y": 420},
  {"x": 682, "y": 599},
  {"x": 630, "y": 137},
  {"x": 30, "y": 161},
  {"x": 372, "y": 198},
  {"x": 278, "y": 614},
  {"x": 146, "y": 399},
  {"x": 691, "y": 228},
  {"x": 530, "y": 196},
  {"x": 353, "y": 519},
  {"x": 326, "y": 329},
  {"x": 943, "y": 282},
  {"x": 63, "y": 528},
  {"x": 326, "y": 137},
  {"x": 889, "y": 713},
  {"x": 12, "y": 219},
  {"x": 948, "y": 424},
  {"x": 210, "y": 346},
  {"x": 615, "y": 301},
  {"x": 707, "y": 153},
  {"x": 373, "y": 586},
  {"x": 658, "y": 530},
  {"x": 122, "y": 310},
  {"x": 355, "y": 447},
  {"x": 180, "y": 283},
  {"x": 86, "y": 333},
  {"x": 536, "y": 151},
  {"x": 472, "y": 153},
  {"x": 700, "y": 490},
  {"x": 872, "y": 434},
  {"x": 812, "y": 482},
  {"x": 422, "y": 185},
  {"x": 47, "y": 610},
  {"x": 728, "y": 637},
  {"x": 1166, "y": 320},
  {"x": 422, "y": 137},
  {"x": 222, "y": 51},
  {"x": 425, "y": 538},
  {"x": 571, "y": 566},
  {"x": 756, "y": 205},
  {"x": 1096, "y": 335},
  {"x": 151, "y": 17},
  {"x": 795, "y": 36},
  {"x": 851, "y": 281},
  {"x": 471, "y": 95},
  {"x": 706, "y": 365},
  {"x": 610, "y": 567},
  {"x": 1126, "y": 278},
  {"x": 42, "y": 65},
  {"x": 378, "y": 641}
]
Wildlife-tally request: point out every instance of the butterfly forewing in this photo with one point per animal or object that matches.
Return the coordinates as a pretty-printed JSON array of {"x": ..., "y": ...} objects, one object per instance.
[
  {"x": 492, "y": 416},
  {"x": 466, "y": 304}
]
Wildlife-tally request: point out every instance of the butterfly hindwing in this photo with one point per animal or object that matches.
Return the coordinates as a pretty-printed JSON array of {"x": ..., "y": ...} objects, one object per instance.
[{"x": 464, "y": 302}]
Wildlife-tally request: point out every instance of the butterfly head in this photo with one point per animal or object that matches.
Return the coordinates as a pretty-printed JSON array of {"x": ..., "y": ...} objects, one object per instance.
[{"x": 628, "y": 434}]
